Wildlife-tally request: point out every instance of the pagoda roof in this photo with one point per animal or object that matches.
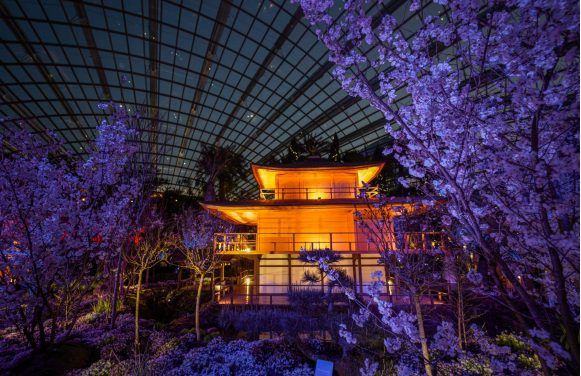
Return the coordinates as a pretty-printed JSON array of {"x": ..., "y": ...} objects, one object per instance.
[{"x": 366, "y": 171}]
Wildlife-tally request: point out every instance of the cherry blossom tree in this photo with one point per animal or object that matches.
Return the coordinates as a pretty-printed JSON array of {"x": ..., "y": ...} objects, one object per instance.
[
  {"x": 142, "y": 166},
  {"x": 409, "y": 249},
  {"x": 491, "y": 124},
  {"x": 196, "y": 233},
  {"x": 57, "y": 213},
  {"x": 151, "y": 245}
]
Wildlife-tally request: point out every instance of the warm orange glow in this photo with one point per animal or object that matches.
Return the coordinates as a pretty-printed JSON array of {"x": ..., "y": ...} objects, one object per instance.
[
  {"x": 309, "y": 208},
  {"x": 321, "y": 177}
]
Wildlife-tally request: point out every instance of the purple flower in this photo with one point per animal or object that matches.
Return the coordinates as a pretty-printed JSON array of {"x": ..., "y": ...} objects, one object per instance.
[
  {"x": 103, "y": 106},
  {"x": 123, "y": 78}
]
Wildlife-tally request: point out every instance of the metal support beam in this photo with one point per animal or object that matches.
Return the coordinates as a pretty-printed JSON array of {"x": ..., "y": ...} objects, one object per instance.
[
  {"x": 223, "y": 14},
  {"x": 21, "y": 37},
  {"x": 283, "y": 37},
  {"x": 389, "y": 8},
  {"x": 153, "y": 52},
  {"x": 90, "y": 39}
]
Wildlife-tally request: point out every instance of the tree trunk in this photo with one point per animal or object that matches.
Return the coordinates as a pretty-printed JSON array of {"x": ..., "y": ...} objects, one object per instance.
[
  {"x": 425, "y": 352},
  {"x": 461, "y": 321},
  {"x": 460, "y": 324},
  {"x": 571, "y": 330},
  {"x": 198, "y": 298},
  {"x": 221, "y": 190},
  {"x": 509, "y": 303},
  {"x": 116, "y": 290},
  {"x": 210, "y": 192},
  {"x": 137, "y": 308},
  {"x": 213, "y": 287}
]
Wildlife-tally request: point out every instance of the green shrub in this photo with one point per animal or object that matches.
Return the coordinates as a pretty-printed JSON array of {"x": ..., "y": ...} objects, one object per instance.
[
  {"x": 529, "y": 362},
  {"x": 104, "y": 306},
  {"x": 511, "y": 341}
]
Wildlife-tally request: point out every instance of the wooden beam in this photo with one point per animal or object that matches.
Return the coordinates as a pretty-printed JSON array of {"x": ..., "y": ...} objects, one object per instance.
[
  {"x": 289, "y": 270},
  {"x": 360, "y": 276},
  {"x": 353, "y": 257}
]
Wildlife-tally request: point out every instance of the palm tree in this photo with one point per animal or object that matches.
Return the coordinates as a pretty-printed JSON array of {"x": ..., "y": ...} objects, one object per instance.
[
  {"x": 230, "y": 176},
  {"x": 214, "y": 160}
]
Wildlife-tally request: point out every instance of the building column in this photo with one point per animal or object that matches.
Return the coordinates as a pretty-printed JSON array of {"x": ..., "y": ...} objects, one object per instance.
[
  {"x": 360, "y": 276},
  {"x": 222, "y": 273},
  {"x": 257, "y": 272},
  {"x": 353, "y": 258},
  {"x": 289, "y": 270}
]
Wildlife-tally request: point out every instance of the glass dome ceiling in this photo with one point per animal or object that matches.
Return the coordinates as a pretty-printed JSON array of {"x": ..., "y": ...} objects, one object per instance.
[{"x": 250, "y": 74}]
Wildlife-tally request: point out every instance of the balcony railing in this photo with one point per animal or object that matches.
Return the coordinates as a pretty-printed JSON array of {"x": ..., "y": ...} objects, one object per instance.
[
  {"x": 317, "y": 193},
  {"x": 274, "y": 294},
  {"x": 343, "y": 242}
]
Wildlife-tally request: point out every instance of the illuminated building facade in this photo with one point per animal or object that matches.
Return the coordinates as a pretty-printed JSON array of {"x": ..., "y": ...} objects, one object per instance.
[{"x": 305, "y": 205}]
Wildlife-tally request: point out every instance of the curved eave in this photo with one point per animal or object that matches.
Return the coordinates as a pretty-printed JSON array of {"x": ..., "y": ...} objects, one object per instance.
[
  {"x": 266, "y": 175},
  {"x": 246, "y": 212}
]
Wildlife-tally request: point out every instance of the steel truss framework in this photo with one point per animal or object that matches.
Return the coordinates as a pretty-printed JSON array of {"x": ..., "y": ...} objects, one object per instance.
[{"x": 250, "y": 74}]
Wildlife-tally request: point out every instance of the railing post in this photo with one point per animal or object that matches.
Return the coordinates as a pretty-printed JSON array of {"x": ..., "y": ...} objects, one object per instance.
[
  {"x": 331, "y": 241},
  {"x": 294, "y": 247},
  {"x": 307, "y": 190}
]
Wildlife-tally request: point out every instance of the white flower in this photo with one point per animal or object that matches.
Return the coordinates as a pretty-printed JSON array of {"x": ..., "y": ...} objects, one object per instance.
[
  {"x": 392, "y": 344},
  {"x": 447, "y": 220},
  {"x": 474, "y": 277}
]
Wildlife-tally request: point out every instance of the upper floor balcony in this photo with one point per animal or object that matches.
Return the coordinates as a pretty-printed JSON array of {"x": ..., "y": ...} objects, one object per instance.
[
  {"x": 318, "y": 193},
  {"x": 340, "y": 242}
]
